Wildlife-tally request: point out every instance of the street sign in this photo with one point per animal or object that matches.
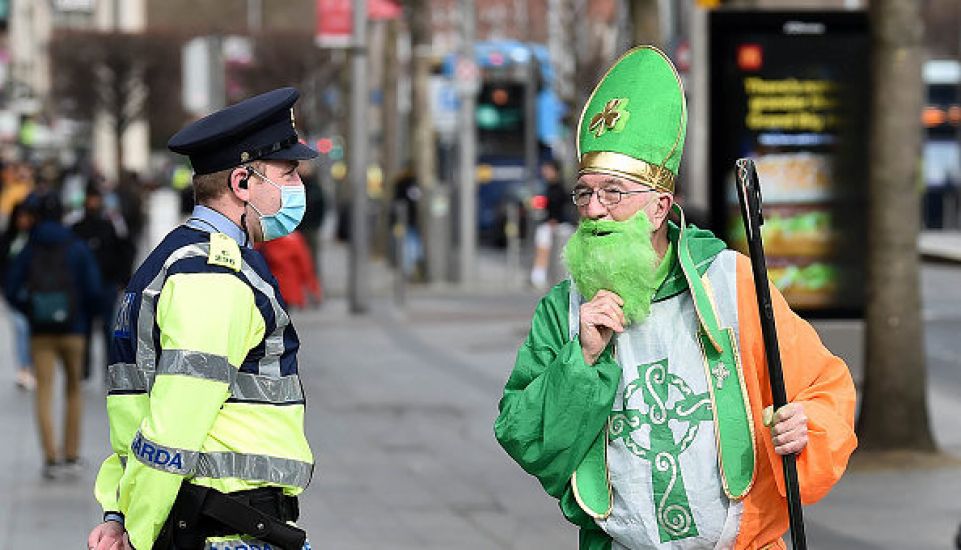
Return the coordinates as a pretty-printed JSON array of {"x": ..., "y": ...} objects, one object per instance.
[
  {"x": 444, "y": 105},
  {"x": 202, "y": 77},
  {"x": 467, "y": 76}
]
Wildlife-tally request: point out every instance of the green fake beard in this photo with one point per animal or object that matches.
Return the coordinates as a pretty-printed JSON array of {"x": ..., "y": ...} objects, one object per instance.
[{"x": 618, "y": 257}]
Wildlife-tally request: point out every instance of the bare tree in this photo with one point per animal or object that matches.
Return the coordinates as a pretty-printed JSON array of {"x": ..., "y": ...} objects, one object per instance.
[
  {"x": 894, "y": 412},
  {"x": 126, "y": 75}
]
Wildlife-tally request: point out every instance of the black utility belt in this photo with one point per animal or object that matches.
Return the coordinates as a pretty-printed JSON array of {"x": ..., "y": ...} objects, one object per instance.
[{"x": 202, "y": 512}]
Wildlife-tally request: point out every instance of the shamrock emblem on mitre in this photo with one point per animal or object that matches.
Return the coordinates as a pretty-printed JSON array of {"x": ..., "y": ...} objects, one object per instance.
[{"x": 609, "y": 117}]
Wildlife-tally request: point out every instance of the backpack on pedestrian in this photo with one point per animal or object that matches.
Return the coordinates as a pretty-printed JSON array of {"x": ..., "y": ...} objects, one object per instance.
[{"x": 52, "y": 298}]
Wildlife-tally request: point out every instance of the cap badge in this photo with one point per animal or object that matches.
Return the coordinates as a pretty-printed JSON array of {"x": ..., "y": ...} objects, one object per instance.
[
  {"x": 613, "y": 117},
  {"x": 245, "y": 156},
  {"x": 292, "y": 123}
]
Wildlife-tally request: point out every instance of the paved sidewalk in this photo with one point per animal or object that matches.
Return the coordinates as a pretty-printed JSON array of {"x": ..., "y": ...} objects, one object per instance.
[
  {"x": 940, "y": 245},
  {"x": 400, "y": 409}
]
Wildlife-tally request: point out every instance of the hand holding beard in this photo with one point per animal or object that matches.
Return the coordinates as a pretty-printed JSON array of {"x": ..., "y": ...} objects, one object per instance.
[
  {"x": 600, "y": 319},
  {"x": 613, "y": 265}
]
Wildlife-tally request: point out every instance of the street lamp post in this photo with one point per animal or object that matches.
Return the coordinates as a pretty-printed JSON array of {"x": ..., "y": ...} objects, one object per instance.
[
  {"x": 467, "y": 152},
  {"x": 359, "y": 288}
]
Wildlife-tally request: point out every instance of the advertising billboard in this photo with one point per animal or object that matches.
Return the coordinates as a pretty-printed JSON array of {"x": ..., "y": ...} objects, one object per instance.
[{"x": 791, "y": 91}]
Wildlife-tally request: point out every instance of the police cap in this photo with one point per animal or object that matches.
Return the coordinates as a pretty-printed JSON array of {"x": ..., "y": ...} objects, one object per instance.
[{"x": 258, "y": 128}]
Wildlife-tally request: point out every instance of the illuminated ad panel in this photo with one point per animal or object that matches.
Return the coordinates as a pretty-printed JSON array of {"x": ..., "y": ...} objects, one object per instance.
[{"x": 791, "y": 91}]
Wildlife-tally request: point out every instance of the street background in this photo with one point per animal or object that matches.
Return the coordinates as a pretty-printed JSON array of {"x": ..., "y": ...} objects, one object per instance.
[
  {"x": 446, "y": 131},
  {"x": 401, "y": 405}
]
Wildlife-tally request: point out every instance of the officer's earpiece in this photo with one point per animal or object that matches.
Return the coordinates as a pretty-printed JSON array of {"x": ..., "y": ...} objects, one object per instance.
[{"x": 243, "y": 182}]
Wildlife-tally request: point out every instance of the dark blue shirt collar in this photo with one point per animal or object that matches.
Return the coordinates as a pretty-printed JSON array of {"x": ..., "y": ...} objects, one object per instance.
[{"x": 207, "y": 219}]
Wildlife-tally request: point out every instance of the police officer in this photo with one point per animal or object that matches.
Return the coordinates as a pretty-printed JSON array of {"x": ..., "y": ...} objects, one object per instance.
[{"x": 206, "y": 407}]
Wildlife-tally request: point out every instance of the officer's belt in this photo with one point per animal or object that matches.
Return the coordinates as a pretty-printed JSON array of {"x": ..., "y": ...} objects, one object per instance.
[{"x": 202, "y": 512}]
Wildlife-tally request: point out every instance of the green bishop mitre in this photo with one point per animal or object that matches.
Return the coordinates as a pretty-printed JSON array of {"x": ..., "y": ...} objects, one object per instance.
[{"x": 633, "y": 124}]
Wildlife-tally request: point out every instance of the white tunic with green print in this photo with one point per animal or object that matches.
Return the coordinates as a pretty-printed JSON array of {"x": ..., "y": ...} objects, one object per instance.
[{"x": 662, "y": 452}]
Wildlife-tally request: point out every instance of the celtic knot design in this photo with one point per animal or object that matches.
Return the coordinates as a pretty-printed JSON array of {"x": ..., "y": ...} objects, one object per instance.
[{"x": 674, "y": 518}]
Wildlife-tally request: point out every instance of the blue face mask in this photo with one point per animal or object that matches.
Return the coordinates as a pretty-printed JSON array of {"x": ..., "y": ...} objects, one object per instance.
[{"x": 293, "y": 204}]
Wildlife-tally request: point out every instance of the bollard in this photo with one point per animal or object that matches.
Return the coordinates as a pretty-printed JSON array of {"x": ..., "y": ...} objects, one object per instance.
[
  {"x": 399, "y": 233},
  {"x": 556, "y": 270},
  {"x": 512, "y": 233},
  {"x": 949, "y": 210}
]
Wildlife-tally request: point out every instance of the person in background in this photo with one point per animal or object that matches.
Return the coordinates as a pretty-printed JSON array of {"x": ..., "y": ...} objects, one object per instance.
[
  {"x": 12, "y": 242},
  {"x": 55, "y": 282},
  {"x": 180, "y": 178},
  {"x": 289, "y": 260},
  {"x": 557, "y": 224},
  {"x": 100, "y": 235},
  {"x": 18, "y": 183},
  {"x": 128, "y": 197},
  {"x": 49, "y": 178},
  {"x": 407, "y": 196},
  {"x": 316, "y": 210}
]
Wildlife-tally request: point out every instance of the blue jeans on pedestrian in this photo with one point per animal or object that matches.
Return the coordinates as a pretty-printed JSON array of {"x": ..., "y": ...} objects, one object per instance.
[{"x": 21, "y": 338}]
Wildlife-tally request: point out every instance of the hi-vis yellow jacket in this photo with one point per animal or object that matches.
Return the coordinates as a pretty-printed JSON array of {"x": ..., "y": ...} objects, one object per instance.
[{"x": 203, "y": 382}]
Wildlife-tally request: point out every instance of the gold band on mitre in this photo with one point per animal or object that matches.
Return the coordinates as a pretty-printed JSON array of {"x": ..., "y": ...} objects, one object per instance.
[{"x": 622, "y": 166}]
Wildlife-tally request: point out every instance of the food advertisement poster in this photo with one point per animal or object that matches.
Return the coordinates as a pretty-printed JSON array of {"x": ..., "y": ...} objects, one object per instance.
[{"x": 790, "y": 90}]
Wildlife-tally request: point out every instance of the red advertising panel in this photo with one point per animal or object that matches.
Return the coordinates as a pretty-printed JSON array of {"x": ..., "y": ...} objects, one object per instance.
[
  {"x": 334, "y": 19},
  {"x": 383, "y": 9},
  {"x": 333, "y": 23}
]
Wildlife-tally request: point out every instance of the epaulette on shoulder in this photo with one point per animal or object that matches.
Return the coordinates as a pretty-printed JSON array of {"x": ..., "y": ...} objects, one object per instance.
[{"x": 224, "y": 252}]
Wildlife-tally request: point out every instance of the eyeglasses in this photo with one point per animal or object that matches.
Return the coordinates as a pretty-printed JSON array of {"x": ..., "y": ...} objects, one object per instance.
[{"x": 605, "y": 196}]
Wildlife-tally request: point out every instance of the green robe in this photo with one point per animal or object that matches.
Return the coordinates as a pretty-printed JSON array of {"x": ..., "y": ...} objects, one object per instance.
[{"x": 555, "y": 405}]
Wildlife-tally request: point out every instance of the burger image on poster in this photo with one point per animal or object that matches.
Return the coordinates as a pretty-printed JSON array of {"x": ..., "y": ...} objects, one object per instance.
[{"x": 799, "y": 236}]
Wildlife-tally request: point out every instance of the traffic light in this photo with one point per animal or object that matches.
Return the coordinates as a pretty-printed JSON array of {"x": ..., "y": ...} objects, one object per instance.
[
  {"x": 332, "y": 146},
  {"x": 325, "y": 145}
]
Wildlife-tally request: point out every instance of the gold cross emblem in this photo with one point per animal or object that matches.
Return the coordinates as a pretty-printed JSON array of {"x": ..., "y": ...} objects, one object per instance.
[
  {"x": 607, "y": 118},
  {"x": 720, "y": 372}
]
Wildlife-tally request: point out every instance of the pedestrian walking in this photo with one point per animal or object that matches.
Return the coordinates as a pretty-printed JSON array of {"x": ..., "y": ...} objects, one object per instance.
[
  {"x": 55, "y": 282},
  {"x": 205, "y": 403},
  {"x": 101, "y": 238},
  {"x": 14, "y": 239},
  {"x": 407, "y": 195},
  {"x": 555, "y": 227},
  {"x": 640, "y": 397}
]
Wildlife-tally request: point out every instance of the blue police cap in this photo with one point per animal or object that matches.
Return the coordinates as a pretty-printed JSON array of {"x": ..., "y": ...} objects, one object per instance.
[{"x": 258, "y": 128}]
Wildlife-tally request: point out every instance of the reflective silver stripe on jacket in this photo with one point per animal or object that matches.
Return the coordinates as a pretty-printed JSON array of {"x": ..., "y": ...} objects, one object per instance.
[
  {"x": 146, "y": 352},
  {"x": 126, "y": 377},
  {"x": 266, "y": 389},
  {"x": 255, "y": 388},
  {"x": 167, "y": 459},
  {"x": 274, "y": 343},
  {"x": 196, "y": 364},
  {"x": 219, "y": 465},
  {"x": 270, "y": 469}
]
